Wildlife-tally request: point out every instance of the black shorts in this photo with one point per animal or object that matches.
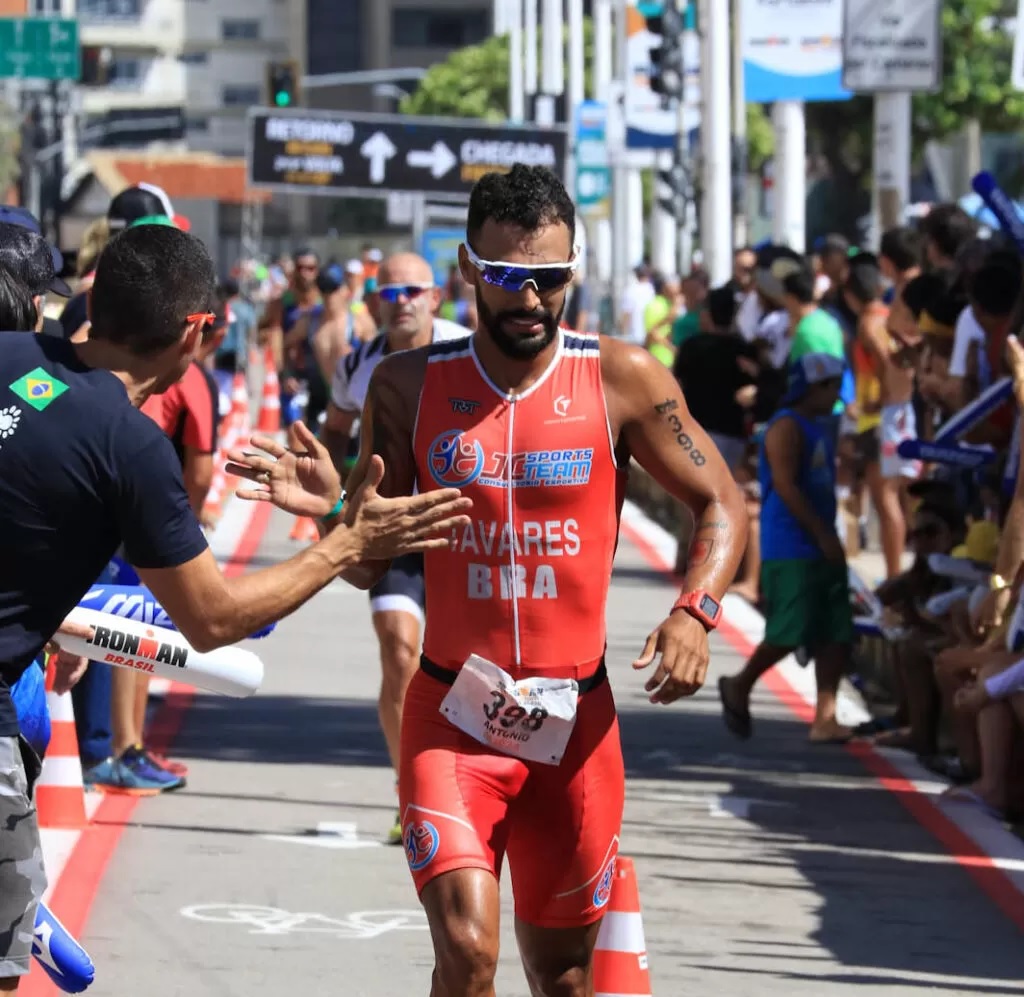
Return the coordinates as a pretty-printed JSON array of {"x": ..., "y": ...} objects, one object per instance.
[{"x": 401, "y": 589}]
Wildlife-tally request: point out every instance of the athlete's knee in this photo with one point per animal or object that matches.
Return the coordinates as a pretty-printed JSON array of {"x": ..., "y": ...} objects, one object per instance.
[
  {"x": 466, "y": 955},
  {"x": 399, "y": 657},
  {"x": 558, "y": 962},
  {"x": 571, "y": 982}
]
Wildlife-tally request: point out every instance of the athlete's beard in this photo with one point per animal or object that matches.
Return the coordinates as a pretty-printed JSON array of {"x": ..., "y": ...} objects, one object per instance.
[{"x": 513, "y": 346}]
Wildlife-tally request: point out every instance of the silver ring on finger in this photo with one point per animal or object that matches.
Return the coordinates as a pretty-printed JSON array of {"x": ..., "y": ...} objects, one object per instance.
[{"x": 263, "y": 477}]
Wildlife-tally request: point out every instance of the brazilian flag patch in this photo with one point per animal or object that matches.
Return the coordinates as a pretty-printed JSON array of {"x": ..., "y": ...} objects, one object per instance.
[{"x": 38, "y": 388}]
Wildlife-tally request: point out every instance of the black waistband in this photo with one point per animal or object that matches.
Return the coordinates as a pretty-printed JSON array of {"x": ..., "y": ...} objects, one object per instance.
[{"x": 447, "y": 676}]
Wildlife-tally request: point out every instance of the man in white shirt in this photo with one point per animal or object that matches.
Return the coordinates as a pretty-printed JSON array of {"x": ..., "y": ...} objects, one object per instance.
[
  {"x": 637, "y": 296},
  {"x": 408, "y": 303}
]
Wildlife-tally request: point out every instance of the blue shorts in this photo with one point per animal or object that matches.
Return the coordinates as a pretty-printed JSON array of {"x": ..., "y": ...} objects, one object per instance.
[{"x": 401, "y": 590}]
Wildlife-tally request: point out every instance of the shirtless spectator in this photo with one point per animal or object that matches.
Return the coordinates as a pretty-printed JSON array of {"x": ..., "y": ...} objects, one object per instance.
[{"x": 893, "y": 362}]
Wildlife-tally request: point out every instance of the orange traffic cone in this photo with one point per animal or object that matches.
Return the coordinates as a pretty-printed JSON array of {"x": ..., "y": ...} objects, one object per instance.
[
  {"x": 60, "y": 793},
  {"x": 270, "y": 409},
  {"x": 238, "y": 425},
  {"x": 620, "y": 956},
  {"x": 304, "y": 529}
]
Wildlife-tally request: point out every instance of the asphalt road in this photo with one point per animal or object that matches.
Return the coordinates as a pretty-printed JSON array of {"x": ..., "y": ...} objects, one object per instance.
[{"x": 765, "y": 868}]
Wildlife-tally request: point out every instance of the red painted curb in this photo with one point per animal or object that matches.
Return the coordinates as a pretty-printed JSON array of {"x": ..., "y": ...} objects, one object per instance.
[
  {"x": 993, "y": 882},
  {"x": 79, "y": 882}
]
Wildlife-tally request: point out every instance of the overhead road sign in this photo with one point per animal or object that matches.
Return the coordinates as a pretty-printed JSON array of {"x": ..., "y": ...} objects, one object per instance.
[
  {"x": 892, "y": 46},
  {"x": 338, "y": 154},
  {"x": 39, "y": 48}
]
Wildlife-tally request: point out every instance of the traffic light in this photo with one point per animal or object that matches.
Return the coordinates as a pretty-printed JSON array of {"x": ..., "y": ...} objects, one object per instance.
[
  {"x": 667, "y": 55},
  {"x": 283, "y": 83},
  {"x": 677, "y": 189}
]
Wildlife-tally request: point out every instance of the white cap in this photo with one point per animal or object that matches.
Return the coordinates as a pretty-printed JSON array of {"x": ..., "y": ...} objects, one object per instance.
[
  {"x": 354, "y": 267},
  {"x": 374, "y": 255}
]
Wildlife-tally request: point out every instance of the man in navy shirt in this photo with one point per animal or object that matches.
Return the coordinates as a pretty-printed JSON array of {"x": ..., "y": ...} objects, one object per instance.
[{"x": 82, "y": 472}]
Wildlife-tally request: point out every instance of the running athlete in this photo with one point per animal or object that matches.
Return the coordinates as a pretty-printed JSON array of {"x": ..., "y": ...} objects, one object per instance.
[
  {"x": 408, "y": 301},
  {"x": 510, "y": 741},
  {"x": 281, "y": 316}
]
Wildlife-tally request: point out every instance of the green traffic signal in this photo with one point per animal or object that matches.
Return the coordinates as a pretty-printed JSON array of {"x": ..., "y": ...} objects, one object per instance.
[{"x": 282, "y": 98}]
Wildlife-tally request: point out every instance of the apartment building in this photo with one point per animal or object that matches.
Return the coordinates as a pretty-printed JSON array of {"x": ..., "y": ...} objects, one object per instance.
[
  {"x": 196, "y": 65},
  {"x": 184, "y": 72}
]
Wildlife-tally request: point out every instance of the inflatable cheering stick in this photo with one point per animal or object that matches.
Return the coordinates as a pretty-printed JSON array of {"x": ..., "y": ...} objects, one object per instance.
[{"x": 65, "y": 961}]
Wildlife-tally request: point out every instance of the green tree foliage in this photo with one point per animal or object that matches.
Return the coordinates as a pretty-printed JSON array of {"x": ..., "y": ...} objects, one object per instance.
[
  {"x": 473, "y": 81},
  {"x": 977, "y": 49},
  {"x": 10, "y": 147}
]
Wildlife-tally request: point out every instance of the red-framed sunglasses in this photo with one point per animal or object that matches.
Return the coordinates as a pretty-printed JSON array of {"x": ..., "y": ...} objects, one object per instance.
[{"x": 207, "y": 318}]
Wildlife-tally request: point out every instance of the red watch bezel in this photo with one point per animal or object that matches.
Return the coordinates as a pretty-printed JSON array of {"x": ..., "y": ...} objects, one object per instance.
[{"x": 691, "y": 601}]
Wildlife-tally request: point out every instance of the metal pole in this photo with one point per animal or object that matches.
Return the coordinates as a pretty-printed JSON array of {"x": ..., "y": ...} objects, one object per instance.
[
  {"x": 530, "y": 35},
  {"x": 739, "y": 129},
  {"x": 516, "y": 93},
  {"x": 553, "y": 65},
  {"x": 620, "y": 172},
  {"x": 790, "y": 174},
  {"x": 419, "y": 222},
  {"x": 892, "y": 158},
  {"x": 600, "y": 84},
  {"x": 716, "y": 194},
  {"x": 574, "y": 90}
]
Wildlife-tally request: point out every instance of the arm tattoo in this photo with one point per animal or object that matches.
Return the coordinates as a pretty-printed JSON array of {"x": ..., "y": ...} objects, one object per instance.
[
  {"x": 700, "y": 553},
  {"x": 667, "y": 410}
]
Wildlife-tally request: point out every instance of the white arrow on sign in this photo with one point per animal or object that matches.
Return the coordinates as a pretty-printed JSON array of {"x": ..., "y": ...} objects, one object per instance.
[
  {"x": 378, "y": 149},
  {"x": 439, "y": 159},
  {"x": 341, "y": 836}
]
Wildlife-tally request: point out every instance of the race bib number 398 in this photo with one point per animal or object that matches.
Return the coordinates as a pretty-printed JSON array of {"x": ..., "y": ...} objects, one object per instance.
[{"x": 532, "y": 719}]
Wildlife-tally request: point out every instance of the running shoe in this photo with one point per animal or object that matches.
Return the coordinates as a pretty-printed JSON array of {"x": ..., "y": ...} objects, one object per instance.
[
  {"x": 165, "y": 763},
  {"x": 137, "y": 761},
  {"x": 113, "y": 776},
  {"x": 395, "y": 834}
]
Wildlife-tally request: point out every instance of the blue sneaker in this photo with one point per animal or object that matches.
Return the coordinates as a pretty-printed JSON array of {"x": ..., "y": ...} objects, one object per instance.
[
  {"x": 139, "y": 763},
  {"x": 113, "y": 776}
]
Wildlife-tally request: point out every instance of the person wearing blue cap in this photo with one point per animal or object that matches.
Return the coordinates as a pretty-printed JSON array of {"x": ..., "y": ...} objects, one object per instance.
[
  {"x": 804, "y": 577},
  {"x": 33, "y": 261}
]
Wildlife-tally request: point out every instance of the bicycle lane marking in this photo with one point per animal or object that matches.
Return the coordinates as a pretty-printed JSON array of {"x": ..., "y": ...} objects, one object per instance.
[
  {"x": 992, "y": 856},
  {"x": 262, "y": 920},
  {"x": 75, "y": 884}
]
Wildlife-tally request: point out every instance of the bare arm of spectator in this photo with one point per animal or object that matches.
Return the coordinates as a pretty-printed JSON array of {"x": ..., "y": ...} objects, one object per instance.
[{"x": 993, "y": 607}]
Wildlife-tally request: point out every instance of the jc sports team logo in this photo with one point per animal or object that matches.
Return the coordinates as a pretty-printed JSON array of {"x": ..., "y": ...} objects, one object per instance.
[
  {"x": 421, "y": 844},
  {"x": 603, "y": 891},
  {"x": 453, "y": 461}
]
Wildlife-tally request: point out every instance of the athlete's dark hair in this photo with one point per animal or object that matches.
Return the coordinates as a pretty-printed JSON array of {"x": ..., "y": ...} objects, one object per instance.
[
  {"x": 902, "y": 247},
  {"x": 17, "y": 309},
  {"x": 304, "y": 251},
  {"x": 864, "y": 281},
  {"x": 926, "y": 290},
  {"x": 149, "y": 278},
  {"x": 800, "y": 285},
  {"x": 529, "y": 197},
  {"x": 721, "y": 305},
  {"x": 995, "y": 288},
  {"x": 949, "y": 227}
]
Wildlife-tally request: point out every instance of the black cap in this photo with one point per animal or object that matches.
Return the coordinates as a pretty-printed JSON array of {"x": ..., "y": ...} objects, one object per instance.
[
  {"x": 141, "y": 201},
  {"x": 28, "y": 256}
]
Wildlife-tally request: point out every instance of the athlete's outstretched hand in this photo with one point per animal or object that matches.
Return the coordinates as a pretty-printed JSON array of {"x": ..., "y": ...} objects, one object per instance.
[
  {"x": 303, "y": 483},
  {"x": 682, "y": 643}
]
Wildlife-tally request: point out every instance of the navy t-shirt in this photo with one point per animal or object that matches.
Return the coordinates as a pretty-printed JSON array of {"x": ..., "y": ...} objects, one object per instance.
[{"x": 81, "y": 472}]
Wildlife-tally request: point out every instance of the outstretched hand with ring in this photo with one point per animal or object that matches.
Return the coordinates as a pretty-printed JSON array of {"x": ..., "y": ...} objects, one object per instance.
[{"x": 304, "y": 483}]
